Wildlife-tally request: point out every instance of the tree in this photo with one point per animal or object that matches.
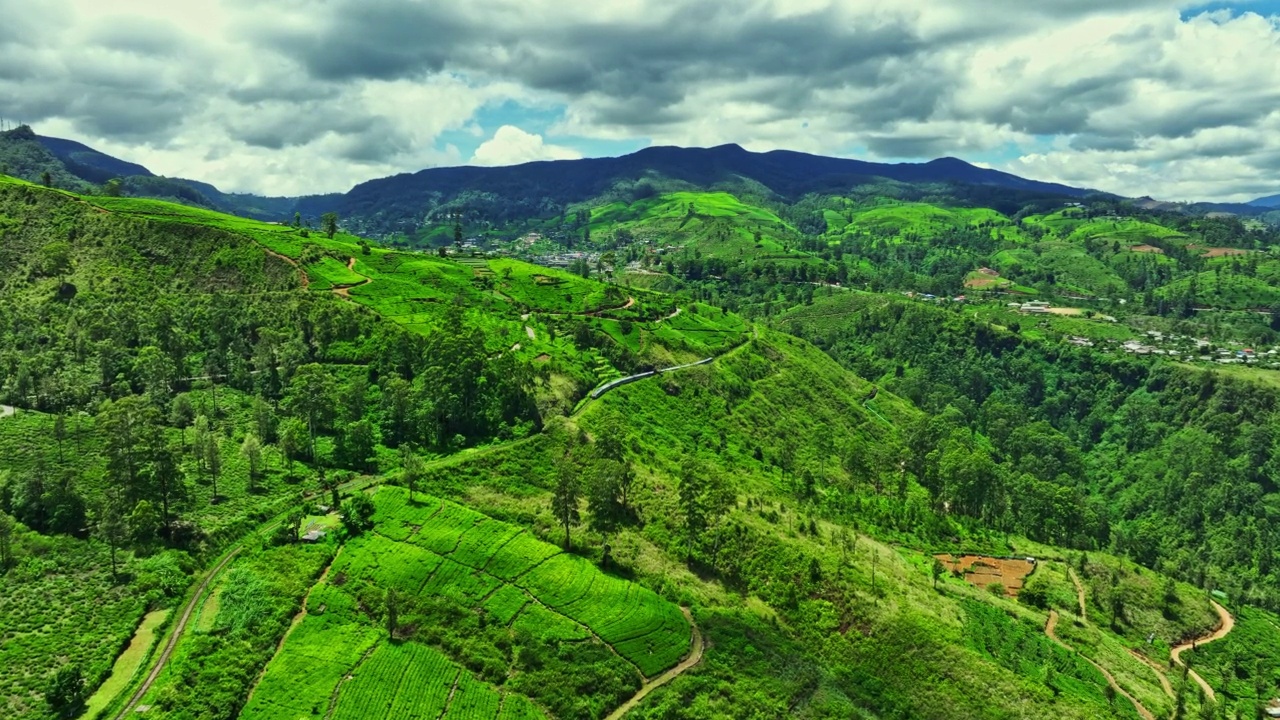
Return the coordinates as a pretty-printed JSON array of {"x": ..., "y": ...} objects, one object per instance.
[
  {"x": 251, "y": 451},
  {"x": 704, "y": 499},
  {"x": 110, "y": 528},
  {"x": 938, "y": 570},
  {"x": 112, "y": 188},
  {"x": 8, "y": 528},
  {"x": 412, "y": 468},
  {"x": 355, "y": 445},
  {"x": 142, "y": 524},
  {"x": 157, "y": 372},
  {"x": 294, "y": 523},
  {"x": 181, "y": 414},
  {"x": 396, "y": 409},
  {"x": 329, "y": 223},
  {"x": 293, "y": 441},
  {"x": 167, "y": 479},
  {"x": 357, "y": 513},
  {"x": 310, "y": 398},
  {"x": 605, "y": 494},
  {"x": 213, "y": 461},
  {"x": 200, "y": 441},
  {"x": 65, "y": 694},
  {"x": 393, "y": 612},
  {"x": 46, "y": 179},
  {"x": 565, "y": 495}
]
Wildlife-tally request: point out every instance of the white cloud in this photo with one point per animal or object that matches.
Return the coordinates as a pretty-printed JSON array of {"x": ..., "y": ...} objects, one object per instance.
[
  {"x": 512, "y": 146},
  {"x": 285, "y": 96}
]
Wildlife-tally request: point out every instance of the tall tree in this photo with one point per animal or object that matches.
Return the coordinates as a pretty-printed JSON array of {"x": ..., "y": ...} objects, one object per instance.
[
  {"x": 329, "y": 223},
  {"x": 393, "y": 612},
  {"x": 251, "y": 451},
  {"x": 65, "y": 694},
  {"x": 213, "y": 461},
  {"x": 110, "y": 528},
  {"x": 565, "y": 496},
  {"x": 412, "y": 468},
  {"x": 310, "y": 398}
]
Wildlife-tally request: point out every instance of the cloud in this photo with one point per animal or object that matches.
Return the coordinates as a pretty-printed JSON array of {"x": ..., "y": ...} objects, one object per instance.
[
  {"x": 275, "y": 96},
  {"x": 512, "y": 146}
]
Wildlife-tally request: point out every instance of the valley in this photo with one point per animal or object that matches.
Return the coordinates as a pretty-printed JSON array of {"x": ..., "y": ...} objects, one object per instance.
[{"x": 715, "y": 464}]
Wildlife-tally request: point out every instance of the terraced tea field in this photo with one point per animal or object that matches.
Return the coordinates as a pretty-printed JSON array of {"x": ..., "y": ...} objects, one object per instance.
[{"x": 338, "y": 661}]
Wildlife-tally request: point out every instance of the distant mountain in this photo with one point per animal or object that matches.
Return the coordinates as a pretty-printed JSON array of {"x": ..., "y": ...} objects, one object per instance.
[
  {"x": 76, "y": 166},
  {"x": 1270, "y": 201},
  {"x": 541, "y": 189},
  {"x": 89, "y": 164}
]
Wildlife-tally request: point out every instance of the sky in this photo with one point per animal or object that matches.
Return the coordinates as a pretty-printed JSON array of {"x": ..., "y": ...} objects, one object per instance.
[{"x": 1176, "y": 100}]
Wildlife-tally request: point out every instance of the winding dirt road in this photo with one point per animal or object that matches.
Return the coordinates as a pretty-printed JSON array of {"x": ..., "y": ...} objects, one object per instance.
[
  {"x": 1049, "y": 630},
  {"x": 695, "y": 657},
  {"x": 1226, "y": 623},
  {"x": 344, "y": 290}
]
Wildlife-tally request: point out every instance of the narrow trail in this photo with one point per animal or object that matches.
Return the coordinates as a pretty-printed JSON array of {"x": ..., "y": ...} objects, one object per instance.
[
  {"x": 1164, "y": 680},
  {"x": 1075, "y": 580},
  {"x": 180, "y": 627},
  {"x": 1050, "y": 630},
  {"x": 1226, "y": 623},
  {"x": 344, "y": 290},
  {"x": 1084, "y": 618},
  {"x": 293, "y": 624},
  {"x": 695, "y": 657},
  {"x": 176, "y": 634},
  {"x": 302, "y": 273}
]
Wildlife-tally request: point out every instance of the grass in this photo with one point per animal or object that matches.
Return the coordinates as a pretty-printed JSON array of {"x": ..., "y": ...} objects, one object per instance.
[{"x": 127, "y": 664}]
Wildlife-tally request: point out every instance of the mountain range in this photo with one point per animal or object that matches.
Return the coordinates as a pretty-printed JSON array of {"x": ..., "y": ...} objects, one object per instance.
[{"x": 403, "y": 204}]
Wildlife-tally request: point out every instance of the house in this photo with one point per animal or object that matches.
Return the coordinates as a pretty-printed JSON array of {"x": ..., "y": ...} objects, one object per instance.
[
  {"x": 312, "y": 536},
  {"x": 1034, "y": 306}
]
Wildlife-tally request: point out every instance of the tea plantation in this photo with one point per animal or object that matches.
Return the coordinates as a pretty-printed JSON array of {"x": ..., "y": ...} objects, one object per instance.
[{"x": 537, "y": 612}]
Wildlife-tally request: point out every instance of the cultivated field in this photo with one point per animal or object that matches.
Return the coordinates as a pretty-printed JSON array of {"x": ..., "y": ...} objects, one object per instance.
[
  {"x": 438, "y": 554},
  {"x": 985, "y": 571}
]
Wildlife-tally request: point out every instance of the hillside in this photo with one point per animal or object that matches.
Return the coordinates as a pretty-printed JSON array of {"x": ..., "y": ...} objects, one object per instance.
[{"x": 828, "y": 515}]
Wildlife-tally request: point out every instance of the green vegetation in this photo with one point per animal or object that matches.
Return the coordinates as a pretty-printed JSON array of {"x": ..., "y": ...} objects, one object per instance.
[
  {"x": 512, "y": 610},
  {"x": 189, "y": 384}
]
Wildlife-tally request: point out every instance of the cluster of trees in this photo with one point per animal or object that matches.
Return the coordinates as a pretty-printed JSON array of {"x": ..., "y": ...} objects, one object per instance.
[{"x": 1175, "y": 467}]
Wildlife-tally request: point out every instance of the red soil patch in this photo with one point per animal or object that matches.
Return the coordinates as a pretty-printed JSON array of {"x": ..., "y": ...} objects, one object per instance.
[
  {"x": 1147, "y": 249},
  {"x": 982, "y": 571},
  {"x": 1224, "y": 252}
]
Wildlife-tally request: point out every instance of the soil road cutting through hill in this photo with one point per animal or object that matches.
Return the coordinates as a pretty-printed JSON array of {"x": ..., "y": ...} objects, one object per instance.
[
  {"x": 1226, "y": 624},
  {"x": 695, "y": 657}
]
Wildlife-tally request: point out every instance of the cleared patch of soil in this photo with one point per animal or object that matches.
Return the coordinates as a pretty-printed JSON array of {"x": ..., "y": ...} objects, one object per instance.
[
  {"x": 1146, "y": 249},
  {"x": 983, "y": 571},
  {"x": 1224, "y": 252}
]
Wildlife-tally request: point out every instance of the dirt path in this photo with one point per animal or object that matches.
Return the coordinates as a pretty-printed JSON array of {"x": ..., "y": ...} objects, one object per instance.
[
  {"x": 1075, "y": 580},
  {"x": 302, "y": 273},
  {"x": 195, "y": 602},
  {"x": 344, "y": 290},
  {"x": 695, "y": 657},
  {"x": 1164, "y": 681},
  {"x": 297, "y": 620},
  {"x": 174, "y": 636},
  {"x": 1050, "y": 630},
  {"x": 1226, "y": 623}
]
